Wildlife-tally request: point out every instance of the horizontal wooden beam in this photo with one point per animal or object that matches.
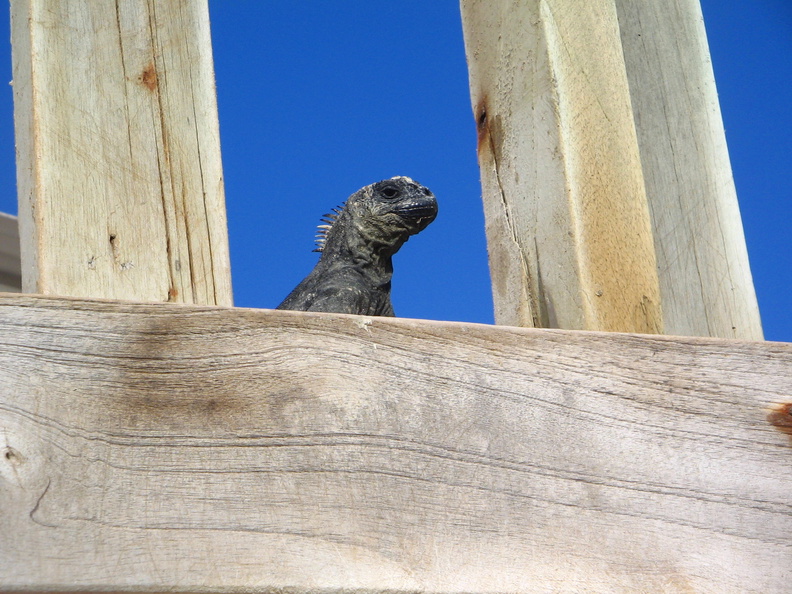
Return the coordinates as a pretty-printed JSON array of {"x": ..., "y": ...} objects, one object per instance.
[{"x": 196, "y": 448}]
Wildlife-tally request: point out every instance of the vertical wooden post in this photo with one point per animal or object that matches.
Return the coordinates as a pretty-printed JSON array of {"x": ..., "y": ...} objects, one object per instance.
[
  {"x": 705, "y": 279},
  {"x": 567, "y": 220},
  {"x": 118, "y": 154},
  {"x": 607, "y": 186},
  {"x": 10, "y": 274}
]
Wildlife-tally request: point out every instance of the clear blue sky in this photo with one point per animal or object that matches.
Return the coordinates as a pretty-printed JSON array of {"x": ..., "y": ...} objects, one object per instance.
[{"x": 320, "y": 98}]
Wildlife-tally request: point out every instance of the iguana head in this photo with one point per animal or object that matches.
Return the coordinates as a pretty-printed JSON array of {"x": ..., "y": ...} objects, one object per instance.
[{"x": 386, "y": 213}]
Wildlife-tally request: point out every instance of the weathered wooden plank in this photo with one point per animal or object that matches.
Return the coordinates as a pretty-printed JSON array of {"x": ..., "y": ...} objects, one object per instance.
[
  {"x": 118, "y": 153},
  {"x": 10, "y": 267},
  {"x": 568, "y": 225},
  {"x": 705, "y": 279},
  {"x": 196, "y": 448}
]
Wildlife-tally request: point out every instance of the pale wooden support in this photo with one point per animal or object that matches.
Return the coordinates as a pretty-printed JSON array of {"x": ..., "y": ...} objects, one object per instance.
[
  {"x": 10, "y": 270},
  {"x": 568, "y": 224},
  {"x": 567, "y": 179},
  {"x": 118, "y": 154},
  {"x": 705, "y": 279},
  {"x": 213, "y": 449}
]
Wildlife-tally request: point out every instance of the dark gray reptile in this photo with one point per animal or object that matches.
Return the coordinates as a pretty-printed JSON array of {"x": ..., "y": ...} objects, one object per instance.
[{"x": 357, "y": 243}]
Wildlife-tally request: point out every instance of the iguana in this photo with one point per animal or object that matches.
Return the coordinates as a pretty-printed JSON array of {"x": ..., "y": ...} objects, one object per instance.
[{"x": 357, "y": 242}]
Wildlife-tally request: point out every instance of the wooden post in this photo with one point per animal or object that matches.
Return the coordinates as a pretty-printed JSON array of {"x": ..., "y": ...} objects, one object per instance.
[
  {"x": 568, "y": 225},
  {"x": 118, "y": 155},
  {"x": 10, "y": 271},
  {"x": 705, "y": 279},
  {"x": 568, "y": 182}
]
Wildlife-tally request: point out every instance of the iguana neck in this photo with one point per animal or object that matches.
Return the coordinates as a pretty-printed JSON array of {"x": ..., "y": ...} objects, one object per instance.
[{"x": 366, "y": 247}]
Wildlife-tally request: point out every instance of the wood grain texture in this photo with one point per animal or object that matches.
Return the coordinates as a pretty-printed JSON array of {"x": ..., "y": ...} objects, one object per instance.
[
  {"x": 10, "y": 266},
  {"x": 196, "y": 448},
  {"x": 118, "y": 153},
  {"x": 568, "y": 225},
  {"x": 705, "y": 279}
]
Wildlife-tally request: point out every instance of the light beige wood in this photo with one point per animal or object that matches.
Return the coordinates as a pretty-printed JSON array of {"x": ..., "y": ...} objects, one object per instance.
[
  {"x": 567, "y": 220},
  {"x": 705, "y": 278},
  {"x": 195, "y": 448},
  {"x": 10, "y": 267},
  {"x": 118, "y": 154}
]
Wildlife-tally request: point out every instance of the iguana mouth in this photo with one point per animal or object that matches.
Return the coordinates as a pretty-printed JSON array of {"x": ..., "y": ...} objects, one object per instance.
[
  {"x": 423, "y": 222},
  {"x": 420, "y": 213}
]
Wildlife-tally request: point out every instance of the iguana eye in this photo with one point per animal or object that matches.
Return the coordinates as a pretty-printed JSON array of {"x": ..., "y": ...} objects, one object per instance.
[{"x": 389, "y": 192}]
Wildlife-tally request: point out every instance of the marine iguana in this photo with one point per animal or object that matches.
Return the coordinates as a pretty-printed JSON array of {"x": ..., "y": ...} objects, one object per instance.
[{"x": 357, "y": 241}]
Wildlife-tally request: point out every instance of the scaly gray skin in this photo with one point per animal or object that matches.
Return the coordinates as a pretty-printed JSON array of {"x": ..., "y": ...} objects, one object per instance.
[{"x": 354, "y": 272}]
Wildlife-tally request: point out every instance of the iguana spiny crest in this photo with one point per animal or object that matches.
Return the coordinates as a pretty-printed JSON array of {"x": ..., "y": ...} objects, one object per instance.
[{"x": 357, "y": 241}]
